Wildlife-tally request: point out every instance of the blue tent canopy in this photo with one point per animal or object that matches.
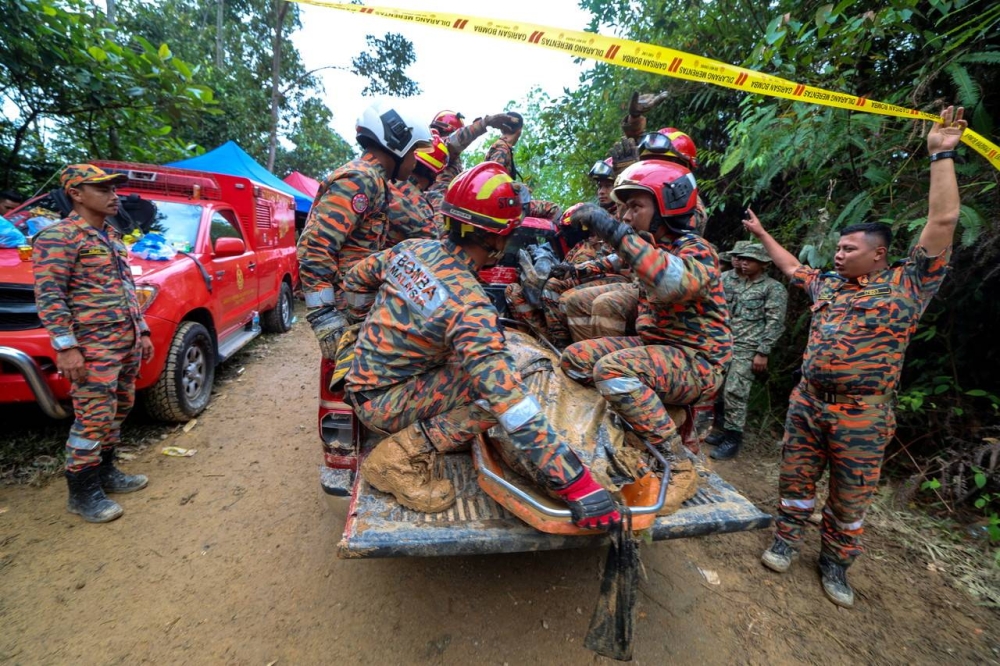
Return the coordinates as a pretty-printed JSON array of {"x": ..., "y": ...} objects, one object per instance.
[{"x": 232, "y": 160}]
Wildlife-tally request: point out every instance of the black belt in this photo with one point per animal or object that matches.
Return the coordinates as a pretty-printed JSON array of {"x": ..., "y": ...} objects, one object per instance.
[
  {"x": 842, "y": 399},
  {"x": 358, "y": 398}
]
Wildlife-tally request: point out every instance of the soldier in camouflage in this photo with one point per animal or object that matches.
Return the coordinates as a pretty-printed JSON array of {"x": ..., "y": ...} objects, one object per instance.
[
  {"x": 348, "y": 220},
  {"x": 757, "y": 305},
  {"x": 412, "y": 203},
  {"x": 431, "y": 366},
  {"x": 841, "y": 414},
  {"x": 87, "y": 302}
]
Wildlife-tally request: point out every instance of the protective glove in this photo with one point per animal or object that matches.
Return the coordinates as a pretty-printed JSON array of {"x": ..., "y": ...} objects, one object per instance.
[
  {"x": 500, "y": 121},
  {"x": 606, "y": 226},
  {"x": 327, "y": 324},
  {"x": 591, "y": 505},
  {"x": 564, "y": 270},
  {"x": 623, "y": 155},
  {"x": 641, "y": 104}
]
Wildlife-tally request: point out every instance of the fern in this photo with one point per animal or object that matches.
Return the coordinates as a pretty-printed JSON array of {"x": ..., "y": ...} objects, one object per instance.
[
  {"x": 854, "y": 211},
  {"x": 968, "y": 91},
  {"x": 985, "y": 58},
  {"x": 972, "y": 224}
]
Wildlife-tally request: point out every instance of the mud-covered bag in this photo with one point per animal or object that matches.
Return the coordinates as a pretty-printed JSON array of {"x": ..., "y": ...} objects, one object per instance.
[{"x": 612, "y": 625}]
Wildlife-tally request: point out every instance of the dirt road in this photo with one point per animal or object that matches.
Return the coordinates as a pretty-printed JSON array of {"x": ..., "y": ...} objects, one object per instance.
[{"x": 228, "y": 558}]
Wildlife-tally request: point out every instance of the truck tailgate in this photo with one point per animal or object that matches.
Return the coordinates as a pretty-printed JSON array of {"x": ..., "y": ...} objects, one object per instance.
[{"x": 379, "y": 527}]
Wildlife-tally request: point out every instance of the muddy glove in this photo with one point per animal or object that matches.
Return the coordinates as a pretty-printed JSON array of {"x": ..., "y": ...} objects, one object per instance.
[
  {"x": 623, "y": 155},
  {"x": 640, "y": 105},
  {"x": 327, "y": 324},
  {"x": 563, "y": 271},
  {"x": 500, "y": 121},
  {"x": 607, "y": 227},
  {"x": 591, "y": 505}
]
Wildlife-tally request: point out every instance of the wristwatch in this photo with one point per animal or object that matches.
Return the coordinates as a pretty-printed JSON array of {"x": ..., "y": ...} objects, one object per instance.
[{"x": 945, "y": 155}]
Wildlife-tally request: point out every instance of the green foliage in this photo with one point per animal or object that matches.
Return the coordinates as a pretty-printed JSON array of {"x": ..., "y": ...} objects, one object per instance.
[
  {"x": 317, "y": 147},
  {"x": 385, "y": 66}
]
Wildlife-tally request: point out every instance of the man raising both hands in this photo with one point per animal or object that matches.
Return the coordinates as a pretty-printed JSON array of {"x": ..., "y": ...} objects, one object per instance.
[{"x": 863, "y": 316}]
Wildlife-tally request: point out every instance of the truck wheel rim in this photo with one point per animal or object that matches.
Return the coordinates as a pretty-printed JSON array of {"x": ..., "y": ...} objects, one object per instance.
[
  {"x": 194, "y": 372},
  {"x": 286, "y": 310}
]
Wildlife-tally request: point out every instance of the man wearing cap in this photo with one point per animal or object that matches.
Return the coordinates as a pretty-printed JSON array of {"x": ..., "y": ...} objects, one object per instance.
[
  {"x": 757, "y": 305},
  {"x": 86, "y": 300}
]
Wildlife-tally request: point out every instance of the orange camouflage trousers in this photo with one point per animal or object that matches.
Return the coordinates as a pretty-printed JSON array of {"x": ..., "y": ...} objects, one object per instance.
[
  {"x": 102, "y": 400},
  {"x": 851, "y": 438},
  {"x": 444, "y": 402},
  {"x": 559, "y": 293},
  {"x": 638, "y": 379},
  {"x": 521, "y": 309},
  {"x": 607, "y": 313}
]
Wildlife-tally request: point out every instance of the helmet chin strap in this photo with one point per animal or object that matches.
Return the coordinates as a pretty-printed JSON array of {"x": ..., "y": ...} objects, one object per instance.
[{"x": 398, "y": 161}]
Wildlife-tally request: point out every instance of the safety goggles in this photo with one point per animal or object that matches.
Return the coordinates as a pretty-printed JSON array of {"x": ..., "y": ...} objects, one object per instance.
[
  {"x": 656, "y": 144},
  {"x": 601, "y": 171}
]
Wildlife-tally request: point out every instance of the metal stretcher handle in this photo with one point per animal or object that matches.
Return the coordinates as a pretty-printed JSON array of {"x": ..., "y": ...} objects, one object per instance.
[{"x": 565, "y": 513}]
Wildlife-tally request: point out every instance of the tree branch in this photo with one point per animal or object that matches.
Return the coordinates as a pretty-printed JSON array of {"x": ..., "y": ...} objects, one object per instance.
[{"x": 299, "y": 81}]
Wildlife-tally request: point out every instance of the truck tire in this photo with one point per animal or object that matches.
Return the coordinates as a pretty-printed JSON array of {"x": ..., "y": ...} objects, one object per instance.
[
  {"x": 185, "y": 387},
  {"x": 279, "y": 318}
]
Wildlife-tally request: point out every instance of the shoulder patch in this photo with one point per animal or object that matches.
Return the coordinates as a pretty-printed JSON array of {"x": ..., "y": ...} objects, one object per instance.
[{"x": 359, "y": 203}]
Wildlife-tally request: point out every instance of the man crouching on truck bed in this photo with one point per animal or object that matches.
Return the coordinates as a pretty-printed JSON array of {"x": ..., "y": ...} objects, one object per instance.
[{"x": 431, "y": 366}]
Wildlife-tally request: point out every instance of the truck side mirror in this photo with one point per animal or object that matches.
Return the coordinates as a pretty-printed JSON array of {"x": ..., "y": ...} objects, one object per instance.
[{"x": 230, "y": 247}]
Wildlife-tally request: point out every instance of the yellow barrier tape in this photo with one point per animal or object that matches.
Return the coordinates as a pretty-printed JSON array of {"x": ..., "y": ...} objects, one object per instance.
[{"x": 657, "y": 60}]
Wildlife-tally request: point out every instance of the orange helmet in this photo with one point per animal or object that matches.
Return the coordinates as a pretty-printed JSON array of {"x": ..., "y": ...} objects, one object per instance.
[
  {"x": 483, "y": 197},
  {"x": 667, "y": 143},
  {"x": 434, "y": 157},
  {"x": 673, "y": 188},
  {"x": 447, "y": 122}
]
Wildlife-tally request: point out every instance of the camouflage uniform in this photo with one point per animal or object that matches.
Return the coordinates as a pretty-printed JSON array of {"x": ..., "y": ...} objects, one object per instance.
[
  {"x": 348, "y": 221},
  {"x": 683, "y": 340},
  {"x": 502, "y": 153},
  {"x": 605, "y": 311},
  {"x": 597, "y": 266},
  {"x": 431, "y": 351},
  {"x": 410, "y": 213},
  {"x": 757, "y": 318},
  {"x": 841, "y": 413},
  {"x": 86, "y": 299}
]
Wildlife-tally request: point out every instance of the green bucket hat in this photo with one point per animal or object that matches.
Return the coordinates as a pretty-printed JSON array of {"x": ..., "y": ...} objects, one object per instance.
[{"x": 751, "y": 251}]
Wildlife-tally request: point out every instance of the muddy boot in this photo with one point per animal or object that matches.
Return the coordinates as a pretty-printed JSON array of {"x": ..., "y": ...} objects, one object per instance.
[
  {"x": 729, "y": 447},
  {"x": 113, "y": 480},
  {"x": 716, "y": 437},
  {"x": 402, "y": 465},
  {"x": 87, "y": 499},
  {"x": 779, "y": 556},
  {"x": 834, "y": 576},
  {"x": 682, "y": 487}
]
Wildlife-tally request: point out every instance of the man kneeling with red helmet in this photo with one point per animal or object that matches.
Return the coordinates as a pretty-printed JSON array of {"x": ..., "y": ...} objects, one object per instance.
[{"x": 431, "y": 366}]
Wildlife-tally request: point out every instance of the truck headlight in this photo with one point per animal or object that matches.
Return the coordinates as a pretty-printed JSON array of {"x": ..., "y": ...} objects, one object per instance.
[{"x": 146, "y": 293}]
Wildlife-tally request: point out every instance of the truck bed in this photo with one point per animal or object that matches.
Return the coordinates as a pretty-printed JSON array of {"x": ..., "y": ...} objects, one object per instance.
[{"x": 379, "y": 527}]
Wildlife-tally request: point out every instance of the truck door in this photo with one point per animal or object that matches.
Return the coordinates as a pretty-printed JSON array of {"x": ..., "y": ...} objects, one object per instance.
[{"x": 234, "y": 274}]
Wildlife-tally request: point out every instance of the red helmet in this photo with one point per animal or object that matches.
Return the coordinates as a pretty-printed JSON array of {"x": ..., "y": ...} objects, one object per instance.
[
  {"x": 673, "y": 187},
  {"x": 602, "y": 170},
  {"x": 667, "y": 143},
  {"x": 434, "y": 157},
  {"x": 484, "y": 197},
  {"x": 447, "y": 122},
  {"x": 566, "y": 219}
]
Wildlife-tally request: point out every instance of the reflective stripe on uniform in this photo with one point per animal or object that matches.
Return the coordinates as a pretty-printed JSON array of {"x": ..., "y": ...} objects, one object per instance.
[
  {"x": 844, "y": 527},
  {"x": 619, "y": 385},
  {"x": 798, "y": 503},
  {"x": 514, "y": 418},
  {"x": 76, "y": 442},
  {"x": 317, "y": 299},
  {"x": 357, "y": 299},
  {"x": 64, "y": 342}
]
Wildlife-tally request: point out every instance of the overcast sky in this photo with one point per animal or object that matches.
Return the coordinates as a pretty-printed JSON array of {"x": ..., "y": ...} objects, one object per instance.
[{"x": 474, "y": 75}]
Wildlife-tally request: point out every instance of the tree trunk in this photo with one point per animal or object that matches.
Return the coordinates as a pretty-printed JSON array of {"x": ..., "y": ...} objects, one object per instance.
[
  {"x": 279, "y": 15},
  {"x": 111, "y": 11},
  {"x": 220, "y": 50}
]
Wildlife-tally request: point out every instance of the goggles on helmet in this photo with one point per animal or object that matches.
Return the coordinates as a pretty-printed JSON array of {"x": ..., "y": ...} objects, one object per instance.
[
  {"x": 656, "y": 144},
  {"x": 602, "y": 171}
]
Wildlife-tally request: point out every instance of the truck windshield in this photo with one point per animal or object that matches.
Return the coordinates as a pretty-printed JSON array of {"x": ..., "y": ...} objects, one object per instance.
[{"x": 178, "y": 223}]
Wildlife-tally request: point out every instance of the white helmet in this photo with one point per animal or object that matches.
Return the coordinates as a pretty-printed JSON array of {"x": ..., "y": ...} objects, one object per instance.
[{"x": 395, "y": 131}]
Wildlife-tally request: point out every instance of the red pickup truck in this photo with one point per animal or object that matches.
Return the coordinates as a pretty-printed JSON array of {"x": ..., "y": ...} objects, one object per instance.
[{"x": 233, "y": 275}]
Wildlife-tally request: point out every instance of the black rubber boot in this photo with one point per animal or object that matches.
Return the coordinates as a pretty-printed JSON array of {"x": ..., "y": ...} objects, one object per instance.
[
  {"x": 113, "y": 480},
  {"x": 834, "y": 577},
  {"x": 716, "y": 437},
  {"x": 718, "y": 434},
  {"x": 87, "y": 499},
  {"x": 729, "y": 447}
]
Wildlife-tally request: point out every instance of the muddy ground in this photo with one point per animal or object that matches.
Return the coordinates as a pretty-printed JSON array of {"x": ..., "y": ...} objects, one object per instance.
[{"x": 228, "y": 558}]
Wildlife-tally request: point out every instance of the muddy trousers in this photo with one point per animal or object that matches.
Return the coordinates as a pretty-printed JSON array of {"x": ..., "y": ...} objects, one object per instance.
[
  {"x": 106, "y": 396},
  {"x": 739, "y": 380},
  {"x": 637, "y": 380},
  {"x": 446, "y": 404},
  {"x": 599, "y": 310},
  {"x": 852, "y": 439}
]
